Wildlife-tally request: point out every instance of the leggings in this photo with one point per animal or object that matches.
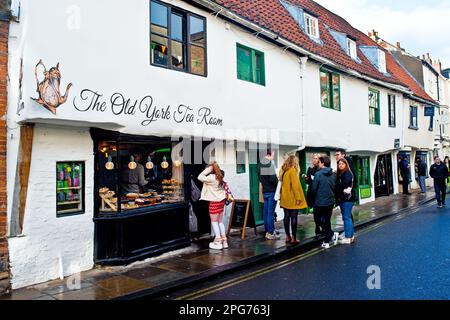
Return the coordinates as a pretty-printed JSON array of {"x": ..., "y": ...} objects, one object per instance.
[{"x": 290, "y": 218}]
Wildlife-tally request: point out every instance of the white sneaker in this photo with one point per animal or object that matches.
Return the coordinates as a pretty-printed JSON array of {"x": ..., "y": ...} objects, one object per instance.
[
  {"x": 335, "y": 239},
  {"x": 216, "y": 245},
  {"x": 325, "y": 245},
  {"x": 224, "y": 243},
  {"x": 342, "y": 237},
  {"x": 347, "y": 240}
]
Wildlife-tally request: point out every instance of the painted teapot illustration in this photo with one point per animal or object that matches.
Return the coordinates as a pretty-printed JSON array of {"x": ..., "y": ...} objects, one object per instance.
[{"x": 48, "y": 89}]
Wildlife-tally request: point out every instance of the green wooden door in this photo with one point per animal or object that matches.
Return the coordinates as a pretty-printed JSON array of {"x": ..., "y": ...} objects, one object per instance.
[{"x": 254, "y": 194}]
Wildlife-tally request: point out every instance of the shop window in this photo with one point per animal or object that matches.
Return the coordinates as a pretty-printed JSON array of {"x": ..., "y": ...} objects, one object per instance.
[
  {"x": 240, "y": 162},
  {"x": 178, "y": 39},
  {"x": 138, "y": 175},
  {"x": 69, "y": 188},
  {"x": 250, "y": 65},
  {"x": 374, "y": 106},
  {"x": 330, "y": 90}
]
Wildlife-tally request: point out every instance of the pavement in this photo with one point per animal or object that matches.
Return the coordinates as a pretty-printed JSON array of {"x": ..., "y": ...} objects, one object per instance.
[
  {"x": 155, "y": 277},
  {"x": 406, "y": 257}
]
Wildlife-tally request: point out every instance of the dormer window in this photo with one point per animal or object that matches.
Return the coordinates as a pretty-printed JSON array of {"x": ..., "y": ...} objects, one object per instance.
[
  {"x": 351, "y": 48},
  {"x": 311, "y": 25},
  {"x": 382, "y": 61}
]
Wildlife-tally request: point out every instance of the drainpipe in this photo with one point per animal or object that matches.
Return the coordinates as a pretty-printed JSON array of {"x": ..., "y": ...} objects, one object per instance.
[{"x": 302, "y": 60}]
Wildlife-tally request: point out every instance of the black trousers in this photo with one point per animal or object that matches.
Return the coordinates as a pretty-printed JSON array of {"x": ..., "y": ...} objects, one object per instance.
[
  {"x": 325, "y": 214},
  {"x": 440, "y": 187},
  {"x": 405, "y": 184},
  {"x": 317, "y": 222}
]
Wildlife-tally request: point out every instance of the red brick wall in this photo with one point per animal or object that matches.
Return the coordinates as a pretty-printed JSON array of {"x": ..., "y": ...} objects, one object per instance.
[{"x": 4, "y": 274}]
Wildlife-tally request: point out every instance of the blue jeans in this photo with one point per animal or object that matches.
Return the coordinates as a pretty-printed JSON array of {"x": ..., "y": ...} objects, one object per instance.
[
  {"x": 422, "y": 183},
  {"x": 346, "y": 210},
  {"x": 269, "y": 212}
]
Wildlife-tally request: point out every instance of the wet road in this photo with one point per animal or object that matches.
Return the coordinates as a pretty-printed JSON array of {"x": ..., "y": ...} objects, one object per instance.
[{"x": 403, "y": 258}]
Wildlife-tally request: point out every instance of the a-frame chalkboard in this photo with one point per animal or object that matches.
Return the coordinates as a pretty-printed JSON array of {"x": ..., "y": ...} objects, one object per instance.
[{"x": 242, "y": 217}]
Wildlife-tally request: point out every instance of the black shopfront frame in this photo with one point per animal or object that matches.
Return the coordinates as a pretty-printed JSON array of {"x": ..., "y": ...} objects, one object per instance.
[{"x": 123, "y": 238}]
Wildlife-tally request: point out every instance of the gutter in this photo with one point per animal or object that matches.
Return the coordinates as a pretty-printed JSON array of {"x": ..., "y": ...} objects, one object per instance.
[{"x": 290, "y": 45}]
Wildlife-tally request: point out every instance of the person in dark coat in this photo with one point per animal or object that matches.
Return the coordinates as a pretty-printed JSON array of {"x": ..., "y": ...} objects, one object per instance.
[
  {"x": 269, "y": 182},
  {"x": 309, "y": 178},
  {"x": 439, "y": 172},
  {"x": 345, "y": 198},
  {"x": 405, "y": 174},
  {"x": 421, "y": 174},
  {"x": 324, "y": 189}
]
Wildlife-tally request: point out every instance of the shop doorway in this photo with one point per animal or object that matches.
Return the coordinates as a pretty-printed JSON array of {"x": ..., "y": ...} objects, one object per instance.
[
  {"x": 257, "y": 206},
  {"x": 384, "y": 185},
  {"x": 200, "y": 207}
]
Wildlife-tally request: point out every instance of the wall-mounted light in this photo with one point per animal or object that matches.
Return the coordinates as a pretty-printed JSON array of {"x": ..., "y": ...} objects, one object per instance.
[
  {"x": 109, "y": 165},
  {"x": 132, "y": 165},
  {"x": 149, "y": 165},
  {"x": 164, "y": 164}
]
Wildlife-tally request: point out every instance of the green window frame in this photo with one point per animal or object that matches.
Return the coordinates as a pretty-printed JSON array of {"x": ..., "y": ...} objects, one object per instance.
[
  {"x": 364, "y": 177},
  {"x": 250, "y": 65},
  {"x": 330, "y": 90},
  {"x": 374, "y": 107}
]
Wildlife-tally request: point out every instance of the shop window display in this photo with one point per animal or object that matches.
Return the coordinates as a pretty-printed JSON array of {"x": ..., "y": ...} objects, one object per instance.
[
  {"x": 69, "y": 188},
  {"x": 140, "y": 175}
]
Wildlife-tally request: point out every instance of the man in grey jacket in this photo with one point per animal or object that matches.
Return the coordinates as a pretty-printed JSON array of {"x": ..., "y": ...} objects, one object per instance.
[{"x": 324, "y": 188}]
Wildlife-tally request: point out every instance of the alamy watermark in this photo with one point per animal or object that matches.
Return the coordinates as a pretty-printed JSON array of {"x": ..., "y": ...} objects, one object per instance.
[{"x": 374, "y": 280}]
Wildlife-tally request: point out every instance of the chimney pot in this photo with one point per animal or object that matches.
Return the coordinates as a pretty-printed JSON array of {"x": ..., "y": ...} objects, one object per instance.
[{"x": 399, "y": 45}]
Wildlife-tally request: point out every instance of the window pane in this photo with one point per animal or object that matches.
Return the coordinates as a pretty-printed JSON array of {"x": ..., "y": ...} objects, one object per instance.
[
  {"x": 259, "y": 61},
  {"x": 176, "y": 31},
  {"x": 69, "y": 187},
  {"x": 336, "y": 93},
  {"x": 244, "y": 64},
  {"x": 107, "y": 176},
  {"x": 178, "y": 55},
  {"x": 197, "y": 30},
  {"x": 159, "y": 18},
  {"x": 324, "y": 91},
  {"x": 159, "y": 51},
  {"x": 197, "y": 60}
]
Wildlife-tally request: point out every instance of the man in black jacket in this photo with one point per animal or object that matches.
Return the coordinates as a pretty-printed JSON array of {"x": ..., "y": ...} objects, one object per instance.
[
  {"x": 439, "y": 172},
  {"x": 269, "y": 182},
  {"x": 324, "y": 189},
  {"x": 421, "y": 174}
]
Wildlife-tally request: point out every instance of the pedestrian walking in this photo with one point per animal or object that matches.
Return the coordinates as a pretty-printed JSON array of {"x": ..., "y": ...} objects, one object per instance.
[
  {"x": 309, "y": 178},
  {"x": 439, "y": 173},
  {"x": 422, "y": 174},
  {"x": 324, "y": 188},
  {"x": 269, "y": 182},
  {"x": 346, "y": 198},
  {"x": 292, "y": 197},
  {"x": 447, "y": 164},
  {"x": 405, "y": 173},
  {"x": 214, "y": 191}
]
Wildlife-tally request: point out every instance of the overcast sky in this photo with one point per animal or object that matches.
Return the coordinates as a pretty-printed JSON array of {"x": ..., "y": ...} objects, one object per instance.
[{"x": 420, "y": 26}]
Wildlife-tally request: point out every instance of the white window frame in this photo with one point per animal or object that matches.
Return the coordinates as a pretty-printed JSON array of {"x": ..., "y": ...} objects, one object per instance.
[
  {"x": 382, "y": 61},
  {"x": 351, "y": 48},
  {"x": 311, "y": 25}
]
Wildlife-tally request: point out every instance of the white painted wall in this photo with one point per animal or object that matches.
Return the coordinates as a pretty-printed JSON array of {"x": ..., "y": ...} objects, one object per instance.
[
  {"x": 421, "y": 138},
  {"x": 348, "y": 128},
  {"x": 47, "y": 240},
  {"x": 113, "y": 55}
]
